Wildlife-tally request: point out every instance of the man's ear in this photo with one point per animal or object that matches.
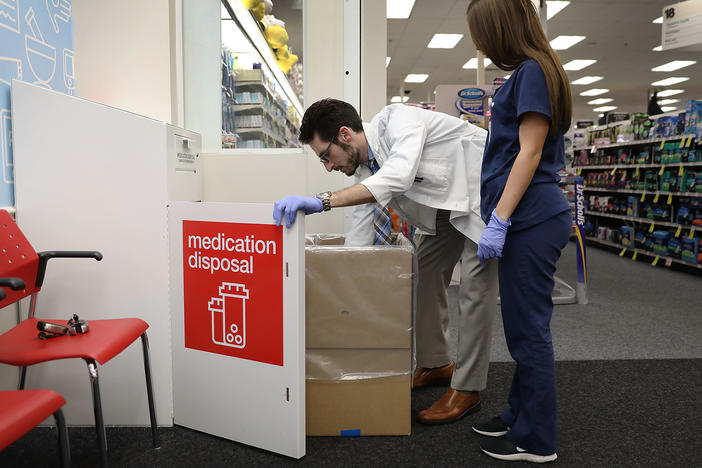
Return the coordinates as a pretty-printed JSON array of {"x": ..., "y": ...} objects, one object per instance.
[{"x": 345, "y": 134}]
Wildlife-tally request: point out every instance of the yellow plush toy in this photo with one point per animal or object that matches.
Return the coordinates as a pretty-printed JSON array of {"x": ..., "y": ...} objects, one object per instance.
[
  {"x": 276, "y": 36},
  {"x": 250, "y": 4},
  {"x": 259, "y": 11},
  {"x": 282, "y": 53}
]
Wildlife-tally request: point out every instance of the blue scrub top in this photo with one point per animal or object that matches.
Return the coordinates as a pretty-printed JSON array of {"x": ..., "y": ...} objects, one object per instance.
[{"x": 525, "y": 91}]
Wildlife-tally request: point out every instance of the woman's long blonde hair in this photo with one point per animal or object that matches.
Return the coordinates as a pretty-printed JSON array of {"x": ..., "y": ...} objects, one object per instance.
[{"x": 509, "y": 32}]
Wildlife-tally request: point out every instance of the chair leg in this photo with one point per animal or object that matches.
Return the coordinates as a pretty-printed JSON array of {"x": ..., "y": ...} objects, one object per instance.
[
  {"x": 97, "y": 409},
  {"x": 23, "y": 377},
  {"x": 64, "y": 446},
  {"x": 150, "y": 391}
]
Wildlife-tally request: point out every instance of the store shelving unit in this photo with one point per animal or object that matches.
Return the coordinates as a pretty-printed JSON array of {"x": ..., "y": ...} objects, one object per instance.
[
  {"x": 663, "y": 203},
  {"x": 632, "y": 219},
  {"x": 667, "y": 260},
  {"x": 650, "y": 141},
  {"x": 259, "y": 107}
]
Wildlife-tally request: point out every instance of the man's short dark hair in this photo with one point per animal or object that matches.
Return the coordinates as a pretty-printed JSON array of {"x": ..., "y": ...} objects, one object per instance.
[{"x": 326, "y": 117}]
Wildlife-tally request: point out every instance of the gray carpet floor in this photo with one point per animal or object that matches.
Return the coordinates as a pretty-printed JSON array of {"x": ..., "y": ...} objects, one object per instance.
[{"x": 634, "y": 413}]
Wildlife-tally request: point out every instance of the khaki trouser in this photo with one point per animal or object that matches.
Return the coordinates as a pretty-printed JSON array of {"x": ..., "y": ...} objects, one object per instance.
[{"x": 437, "y": 256}]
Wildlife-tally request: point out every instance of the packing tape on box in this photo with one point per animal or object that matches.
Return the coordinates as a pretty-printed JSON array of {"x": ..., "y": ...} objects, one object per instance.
[{"x": 356, "y": 364}]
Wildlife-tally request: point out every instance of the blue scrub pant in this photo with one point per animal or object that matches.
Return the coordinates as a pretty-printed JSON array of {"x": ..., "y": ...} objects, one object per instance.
[{"x": 526, "y": 272}]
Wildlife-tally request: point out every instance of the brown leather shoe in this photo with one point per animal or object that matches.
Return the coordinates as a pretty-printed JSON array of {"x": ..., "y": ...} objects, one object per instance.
[
  {"x": 433, "y": 376},
  {"x": 451, "y": 407}
]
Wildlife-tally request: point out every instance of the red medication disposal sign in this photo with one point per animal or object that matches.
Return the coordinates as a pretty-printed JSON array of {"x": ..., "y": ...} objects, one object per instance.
[{"x": 233, "y": 289}]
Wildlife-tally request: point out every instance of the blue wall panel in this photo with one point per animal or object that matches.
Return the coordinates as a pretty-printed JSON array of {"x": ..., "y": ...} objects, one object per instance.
[{"x": 36, "y": 46}]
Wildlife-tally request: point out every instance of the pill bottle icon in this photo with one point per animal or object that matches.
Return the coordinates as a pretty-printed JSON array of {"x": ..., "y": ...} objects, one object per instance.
[{"x": 229, "y": 315}]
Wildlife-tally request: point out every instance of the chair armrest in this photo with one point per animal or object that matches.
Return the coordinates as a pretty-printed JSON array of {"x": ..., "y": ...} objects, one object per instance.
[
  {"x": 44, "y": 258},
  {"x": 13, "y": 283}
]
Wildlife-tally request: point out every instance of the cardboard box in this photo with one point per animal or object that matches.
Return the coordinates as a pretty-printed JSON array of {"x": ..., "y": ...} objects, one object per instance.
[
  {"x": 359, "y": 305},
  {"x": 380, "y": 406},
  {"x": 358, "y": 297}
]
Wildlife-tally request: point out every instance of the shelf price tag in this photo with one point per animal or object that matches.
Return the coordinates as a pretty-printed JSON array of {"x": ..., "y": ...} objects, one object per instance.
[
  {"x": 621, "y": 254},
  {"x": 681, "y": 171},
  {"x": 682, "y": 142},
  {"x": 662, "y": 170},
  {"x": 689, "y": 142},
  {"x": 655, "y": 261},
  {"x": 677, "y": 233},
  {"x": 670, "y": 199},
  {"x": 692, "y": 233},
  {"x": 668, "y": 262},
  {"x": 662, "y": 145},
  {"x": 579, "y": 171},
  {"x": 637, "y": 172},
  {"x": 643, "y": 197},
  {"x": 614, "y": 171},
  {"x": 593, "y": 149},
  {"x": 653, "y": 226},
  {"x": 655, "y": 199},
  {"x": 636, "y": 254}
]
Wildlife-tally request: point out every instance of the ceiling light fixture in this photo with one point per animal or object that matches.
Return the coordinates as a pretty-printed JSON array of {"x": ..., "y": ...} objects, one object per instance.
[
  {"x": 554, "y": 7},
  {"x": 604, "y": 108},
  {"x": 586, "y": 80},
  {"x": 594, "y": 92},
  {"x": 397, "y": 99},
  {"x": 670, "y": 92},
  {"x": 657, "y": 48},
  {"x": 674, "y": 65},
  {"x": 669, "y": 109},
  {"x": 578, "y": 64},
  {"x": 665, "y": 102},
  {"x": 565, "y": 42},
  {"x": 444, "y": 41},
  {"x": 387, "y": 61},
  {"x": 416, "y": 78},
  {"x": 399, "y": 9},
  {"x": 472, "y": 64},
  {"x": 658, "y": 20},
  {"x": 670, "y": 81},
  {"x": 599, "y": 101}
]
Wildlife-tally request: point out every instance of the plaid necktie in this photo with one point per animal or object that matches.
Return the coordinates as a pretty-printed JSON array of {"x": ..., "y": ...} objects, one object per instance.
[{"x": 382, "y": 223}]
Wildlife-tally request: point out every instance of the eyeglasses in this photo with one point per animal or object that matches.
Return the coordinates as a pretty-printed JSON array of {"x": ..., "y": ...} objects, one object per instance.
[{"x": 324, "y": 156}]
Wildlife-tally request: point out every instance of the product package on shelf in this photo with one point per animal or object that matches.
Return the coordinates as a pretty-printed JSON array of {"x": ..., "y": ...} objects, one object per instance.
[
  {"x": 359, "y": 306},
  {"x": 693, "y": 119}
]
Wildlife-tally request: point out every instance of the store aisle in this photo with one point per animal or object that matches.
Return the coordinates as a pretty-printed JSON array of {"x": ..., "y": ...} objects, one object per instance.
[{"x": 636, "y": 311}]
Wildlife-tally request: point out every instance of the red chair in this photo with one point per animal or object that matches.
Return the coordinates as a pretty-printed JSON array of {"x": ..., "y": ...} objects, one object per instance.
[
  {"x": 106, "y": 338},
  {"x": 22, "y": 410}
]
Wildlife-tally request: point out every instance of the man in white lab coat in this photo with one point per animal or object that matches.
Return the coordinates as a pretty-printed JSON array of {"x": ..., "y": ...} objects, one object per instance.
[{"x": 426, "y": 166}]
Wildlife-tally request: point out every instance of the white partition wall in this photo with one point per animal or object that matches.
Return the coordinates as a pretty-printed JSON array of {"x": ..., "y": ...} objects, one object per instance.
[{"x": 92, "y": 177}]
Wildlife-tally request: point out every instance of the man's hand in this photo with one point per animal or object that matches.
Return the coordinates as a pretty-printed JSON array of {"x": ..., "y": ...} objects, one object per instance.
[
  {"x": 288, "y": 206},
  {"x": 493, "y": 238}
]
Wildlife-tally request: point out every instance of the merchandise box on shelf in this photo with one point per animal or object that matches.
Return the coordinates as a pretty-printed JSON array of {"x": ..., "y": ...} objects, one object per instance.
[{"x": 359, "y": 309}]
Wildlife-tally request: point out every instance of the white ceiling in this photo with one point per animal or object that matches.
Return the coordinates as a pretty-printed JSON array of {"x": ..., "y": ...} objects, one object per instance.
[{"x": 619, "y": 33}]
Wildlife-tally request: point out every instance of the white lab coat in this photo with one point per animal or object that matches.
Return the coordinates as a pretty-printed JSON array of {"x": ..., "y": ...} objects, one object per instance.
[{"x": 428, "y": 161}]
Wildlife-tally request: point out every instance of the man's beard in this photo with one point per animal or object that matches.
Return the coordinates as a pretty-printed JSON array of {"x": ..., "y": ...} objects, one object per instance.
[{"x": 353, "y": 158}]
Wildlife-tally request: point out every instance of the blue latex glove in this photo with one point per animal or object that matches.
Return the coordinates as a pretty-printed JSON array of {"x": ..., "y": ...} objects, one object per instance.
[
  {"x": 290, "y": 205},
  {"x": 493, "y": 238}
]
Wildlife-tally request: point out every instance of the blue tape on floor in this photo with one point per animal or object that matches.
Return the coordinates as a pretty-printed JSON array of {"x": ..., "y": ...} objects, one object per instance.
[{"x": 351, "y": 433}]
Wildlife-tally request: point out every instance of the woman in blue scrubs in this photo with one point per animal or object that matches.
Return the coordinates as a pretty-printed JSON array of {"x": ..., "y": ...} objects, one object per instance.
[{"x": 528, "y": 219}]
